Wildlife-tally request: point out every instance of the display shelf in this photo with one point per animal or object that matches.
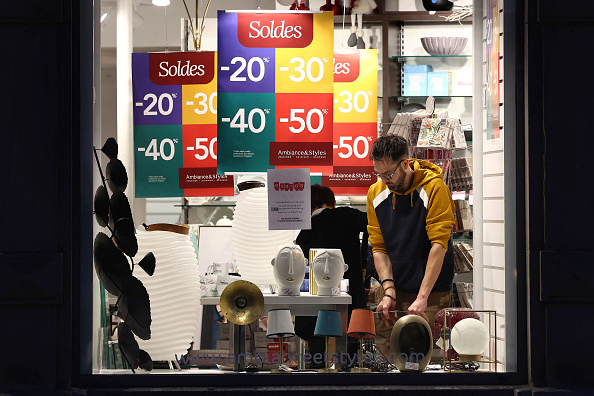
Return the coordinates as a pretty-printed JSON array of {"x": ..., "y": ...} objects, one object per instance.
[
  {"x": 404, "y": 98},
  {"x": 231, "y": 204},
  {"x": 206, "y": 205},
  {"x": 397, "y": 16},
  {"x": 391, "y": 25},
  {"x": 403, "y": 58}
]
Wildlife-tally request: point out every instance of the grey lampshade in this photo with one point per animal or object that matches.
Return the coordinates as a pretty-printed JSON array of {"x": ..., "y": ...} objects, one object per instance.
[{"x": 280, "y": 324}]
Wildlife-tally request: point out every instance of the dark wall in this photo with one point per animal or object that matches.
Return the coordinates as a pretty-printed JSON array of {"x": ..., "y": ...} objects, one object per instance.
[
  {"x": 39, "y": 109},
  {"x": 561, "y": 196},
  {"x": 44, "y": 108}
]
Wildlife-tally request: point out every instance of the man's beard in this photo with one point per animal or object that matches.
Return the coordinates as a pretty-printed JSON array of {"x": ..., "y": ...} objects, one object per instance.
[{"x": 398, "y": 185}]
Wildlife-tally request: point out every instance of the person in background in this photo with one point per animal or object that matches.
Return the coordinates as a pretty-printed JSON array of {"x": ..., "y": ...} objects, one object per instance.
[
  {"x": 336, "y": 228},
  {"x": 411, "y": 214}
]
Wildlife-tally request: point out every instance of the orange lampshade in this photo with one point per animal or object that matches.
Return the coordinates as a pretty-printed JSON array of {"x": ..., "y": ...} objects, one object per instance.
[{"x": 362, "y": 324}]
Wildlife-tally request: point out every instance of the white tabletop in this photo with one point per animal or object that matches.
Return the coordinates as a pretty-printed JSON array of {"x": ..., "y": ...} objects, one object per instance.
[{"x": 304, "y": 299}]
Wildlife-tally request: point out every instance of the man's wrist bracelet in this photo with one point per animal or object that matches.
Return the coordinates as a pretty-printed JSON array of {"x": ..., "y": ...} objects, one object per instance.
[
  {"x": 387, "y": 295},
  {"x": 387, "y": 280},
  {"x": 388, "y": 288}
]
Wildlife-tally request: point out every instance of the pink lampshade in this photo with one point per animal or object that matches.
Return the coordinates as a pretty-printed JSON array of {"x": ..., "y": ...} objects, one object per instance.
[{"x": 361, "y": 324}]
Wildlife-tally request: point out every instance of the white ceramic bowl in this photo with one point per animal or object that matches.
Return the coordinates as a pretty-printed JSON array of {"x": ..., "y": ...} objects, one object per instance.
[{"x": 441, "y": 46}]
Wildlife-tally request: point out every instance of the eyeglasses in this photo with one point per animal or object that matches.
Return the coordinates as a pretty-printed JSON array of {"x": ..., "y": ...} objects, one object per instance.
[{"x": 387, "y": 176}]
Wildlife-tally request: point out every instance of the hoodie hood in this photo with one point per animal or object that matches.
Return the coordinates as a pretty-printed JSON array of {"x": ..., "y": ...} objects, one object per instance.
[{"x": 424, "y": 171}]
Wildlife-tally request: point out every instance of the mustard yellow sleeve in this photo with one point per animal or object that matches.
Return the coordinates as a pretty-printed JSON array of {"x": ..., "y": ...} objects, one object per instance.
[
  {"x": 375, "y": 235},
  {"x": 440, "y": 212}
]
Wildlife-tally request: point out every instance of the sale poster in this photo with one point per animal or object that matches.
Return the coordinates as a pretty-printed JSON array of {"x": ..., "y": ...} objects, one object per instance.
[
  {"x": 175, "y": 125},
  {"x": 275, "y": 85},
  {"x": 355, "y": 121}
]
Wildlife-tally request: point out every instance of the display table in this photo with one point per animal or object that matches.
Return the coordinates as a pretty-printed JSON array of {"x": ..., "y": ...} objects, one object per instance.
[{"x": 303, "y": 305}]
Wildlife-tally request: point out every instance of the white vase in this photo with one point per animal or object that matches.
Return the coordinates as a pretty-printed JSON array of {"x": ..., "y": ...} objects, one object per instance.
[
  {"x": 254, "y": 245},
  {"x": 328, "y": 268},
  {"x": 174, "y": 292},
  {"x": 289, "y": 269}
]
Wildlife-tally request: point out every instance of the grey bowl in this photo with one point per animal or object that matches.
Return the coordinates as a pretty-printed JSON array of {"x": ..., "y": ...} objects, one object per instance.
[{"x": 441, "y": 46}]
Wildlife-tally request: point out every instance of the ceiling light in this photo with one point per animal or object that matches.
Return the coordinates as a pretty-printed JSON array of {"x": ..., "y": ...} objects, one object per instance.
[{"x": 161, "y": 3}]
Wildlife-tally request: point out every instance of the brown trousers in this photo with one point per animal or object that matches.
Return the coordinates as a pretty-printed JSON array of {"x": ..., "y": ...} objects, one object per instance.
[{"x": 435, "y": 302}]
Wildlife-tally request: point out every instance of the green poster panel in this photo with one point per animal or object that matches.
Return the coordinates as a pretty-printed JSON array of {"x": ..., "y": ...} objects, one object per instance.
[
  {"x": 245, "y": 129},
  {"x": 158, "y": 156}
]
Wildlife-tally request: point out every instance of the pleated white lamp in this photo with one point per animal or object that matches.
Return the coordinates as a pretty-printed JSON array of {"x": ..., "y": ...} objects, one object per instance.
[
  {"x": 174, "y": 289},
  {"x": 254, "y": 245}
]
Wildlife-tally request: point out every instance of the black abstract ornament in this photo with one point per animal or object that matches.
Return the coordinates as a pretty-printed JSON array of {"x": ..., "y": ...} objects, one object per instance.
[
  {"x": 135, "y": 356},
  {"x": 134, "y": 308},
  {"x": 120, "y": 206},
  {"x": 101, "y": 206},
  {"x": 126, "y": 236},
  {"x": 144, "y": 360},
  {"x": 110, "y": 148},
  {"x": 117, "y": 177},
  {"x": 111, "y": 265},
  {"x": 128, "y": 344},
  {"x": 148, "y": 263}
]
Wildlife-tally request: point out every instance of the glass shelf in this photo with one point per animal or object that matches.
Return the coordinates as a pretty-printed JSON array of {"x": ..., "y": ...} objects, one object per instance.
[
  {"x": 223, "y": 204},
  {"x": 403, "y": 58},
  {"x": 404, "y": 98},
  {"x": 230, "y": 204}
]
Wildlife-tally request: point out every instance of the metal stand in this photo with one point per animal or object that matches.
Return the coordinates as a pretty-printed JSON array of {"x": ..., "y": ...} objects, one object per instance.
[{"x": 238, "y": 337}]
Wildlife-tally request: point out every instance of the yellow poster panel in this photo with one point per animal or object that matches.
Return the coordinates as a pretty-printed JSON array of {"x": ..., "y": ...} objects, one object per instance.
[
  {"x": 199, "y": 106},
  {"x": 308, "y": 69},
  {"x": 355, "y": 86}
]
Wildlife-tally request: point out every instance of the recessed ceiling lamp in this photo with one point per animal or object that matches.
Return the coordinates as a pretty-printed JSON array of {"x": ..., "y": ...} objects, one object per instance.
[{"x": 161, "y": 3}]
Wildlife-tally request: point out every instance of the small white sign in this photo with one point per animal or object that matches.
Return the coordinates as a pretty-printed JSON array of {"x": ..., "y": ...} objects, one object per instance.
[
  {"x": 411, "y": 366},
  {"x": 289, "y": 199}
]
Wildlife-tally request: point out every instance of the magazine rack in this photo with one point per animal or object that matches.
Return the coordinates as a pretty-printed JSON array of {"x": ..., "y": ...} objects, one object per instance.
[{"x": 441, "y": 138}]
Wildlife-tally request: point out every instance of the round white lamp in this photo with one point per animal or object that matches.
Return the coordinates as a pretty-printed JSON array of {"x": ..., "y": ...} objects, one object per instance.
[{"x": 470, "y": 338}]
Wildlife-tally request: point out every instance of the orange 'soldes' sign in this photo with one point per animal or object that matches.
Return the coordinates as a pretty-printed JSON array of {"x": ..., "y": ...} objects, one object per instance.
[
  {"x": 275, "y": 30},
  {"x": 182, "y": 68}
]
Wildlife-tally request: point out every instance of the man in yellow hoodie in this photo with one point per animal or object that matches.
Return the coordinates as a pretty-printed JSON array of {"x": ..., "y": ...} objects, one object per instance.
[{"x": 410, "y": 214}]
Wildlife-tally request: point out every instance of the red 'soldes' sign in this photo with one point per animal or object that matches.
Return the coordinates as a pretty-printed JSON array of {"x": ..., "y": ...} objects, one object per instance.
[
  {"x": 275, "y": 30},
  {"x": 346, "y": 66},
  {"x": 186, "y": 68}
]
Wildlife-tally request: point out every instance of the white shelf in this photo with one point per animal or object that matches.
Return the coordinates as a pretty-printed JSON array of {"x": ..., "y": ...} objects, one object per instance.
[{"x": 305, "y": 299}]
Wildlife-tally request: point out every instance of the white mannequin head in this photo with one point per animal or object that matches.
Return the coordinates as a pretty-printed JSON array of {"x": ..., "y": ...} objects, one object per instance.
[
  {"x": 289, "y": 269},
  {"x": 328, "y": 268}
]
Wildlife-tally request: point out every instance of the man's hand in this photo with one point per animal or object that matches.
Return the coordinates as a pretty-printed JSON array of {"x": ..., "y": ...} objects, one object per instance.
[
  {"x": 383, "y": 266},
  {"x": 418, "y": 307},
  {"x": 387, "y": 306}
]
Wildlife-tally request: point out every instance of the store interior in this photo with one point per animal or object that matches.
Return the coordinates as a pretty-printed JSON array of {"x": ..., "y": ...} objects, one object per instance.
[{"x": 194, "y": 309}]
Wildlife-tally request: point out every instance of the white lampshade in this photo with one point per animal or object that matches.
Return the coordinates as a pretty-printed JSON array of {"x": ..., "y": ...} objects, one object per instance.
[
  {"x": 174, "y": 292},
  {"x": 254, "y": 245},
  {"x": 470, "y": 338},
  {"x": 280, "y": 324}
]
